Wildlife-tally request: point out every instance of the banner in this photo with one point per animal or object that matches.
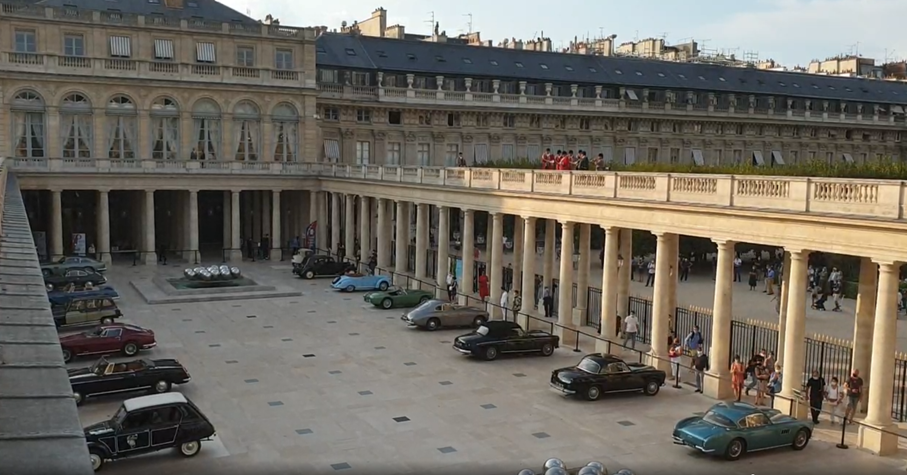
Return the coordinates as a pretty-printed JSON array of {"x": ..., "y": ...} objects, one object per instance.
[
  {"x": 310, "y": 235},
  {"x": 458, "y": 271},
  {"x": 78, "y": 244}
]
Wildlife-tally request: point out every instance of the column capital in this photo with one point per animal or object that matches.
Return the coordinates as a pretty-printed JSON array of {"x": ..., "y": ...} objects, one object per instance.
[
  {"x": 798, "y": 254},
  {"x": 529, "y": 218},
  {"x": 886, "y": 265},
  {"x": 103, "y": 190},
  {"x": 724, "y": 243},
  {"x": 566, "y": 223},
  {"x": 150, "y": 191},
  {"x": 236, "y": 191},
  {"x": 468, "y": 212},
  {"x": 608, "y": 229},
  {"x": 276, "y": 192},
  {"x": 190, "y": 190}
]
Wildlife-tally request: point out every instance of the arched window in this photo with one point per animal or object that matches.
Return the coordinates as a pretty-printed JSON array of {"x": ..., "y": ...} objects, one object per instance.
[
  {"x": 246, "y": 131},
  {"x": 165, "y": 129},
  {"x": 286, "y": 127},
  {"x": 122, "y": 125},
  {"x": 75, "y": 125},
  {"x": 206, "y": 123},
  {"x": 27, "y": 109}
]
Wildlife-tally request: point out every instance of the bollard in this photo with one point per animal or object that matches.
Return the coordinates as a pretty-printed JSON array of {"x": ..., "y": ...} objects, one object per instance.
[{"x": 842, "y": 445}]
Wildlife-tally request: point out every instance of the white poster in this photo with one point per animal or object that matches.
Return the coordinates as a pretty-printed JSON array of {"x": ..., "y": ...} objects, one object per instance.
[
  {"x": 40, "y": 244},
  {"x": 78, "y": 244}
]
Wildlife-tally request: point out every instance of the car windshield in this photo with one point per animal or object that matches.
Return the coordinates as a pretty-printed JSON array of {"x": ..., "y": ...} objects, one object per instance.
[
  {"x": 589, "y": 366},
  {"x": 717, "y": 419},
  {"x": 120, "y": 416},
  {"x": 99, "y": 366},
  {"x": 425, "y": 305},
  {"x": 482, "y": 330}
]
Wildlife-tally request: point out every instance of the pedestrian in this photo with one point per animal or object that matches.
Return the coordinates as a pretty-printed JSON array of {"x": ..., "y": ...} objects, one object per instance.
[
  {"x": 833, "y": 396},
  {"x": 685, "y": 266},
  {"x": 294, "y": 245},
  {"x": 675, "y": 354},
  {"x": 775, "y": 381},
  {"x": 461, "y": 161},
  {"x": 650, "y": 280},
  {"x": 692, "y": 343},
  {"x": 483, "y": 286},
  {"x": 547, "y": 301},
  {"x": 452, "y": 289},
  {"x": 700, "y": 366},
  {"x": 755, "y": 361},
  {"x": 854, "y": 389},
  {"x": 836, "y": 287},
  {"x": 737, "y": 264},
  {"x": 815, "y": 394},
  {"x": 631, "y": 328},
  {"x": 372, "y": 262},
  {"x": 517, "y": 304},
  {"x": 762, "y": 377},
  {"x": 738, "y": 375},
  {"x": 752, "y": 279},
  {"x": 250, "y": 248},
  {"x": 505, "y": 302},
  {"x": 265, "y": 247}
]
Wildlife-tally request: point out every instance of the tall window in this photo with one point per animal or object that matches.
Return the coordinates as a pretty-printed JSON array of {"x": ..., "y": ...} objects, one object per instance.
[
  {"x": 26, "y": 41},
  {"x": 246, "y": 131},
  {"x": 121, "y": 128},
  {"x": 245, "y": 56},
  {"x": 423, "y": 154},
  {"x": 286, "y": 127},
  {"x": 393, "y": 153},
  {"x": 165, "y": 129},
  {"x": 507, "y": 151},
  {"x": 362, "y": 153},
  {"x": 28, "y": 125},
  {"x": 75, "y": 125},
  {"x": 283, "y": 59},
  {"x": 450, "y": 158},
  {"x": 74, "y": 45},
  {"x": 206, "y": 130}
]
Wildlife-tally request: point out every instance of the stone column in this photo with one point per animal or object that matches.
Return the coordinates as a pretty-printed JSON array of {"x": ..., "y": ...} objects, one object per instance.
[
  {"x": 335, "y": 222},
  {"x": 422, "y": 224},
  {"x": 782, "y": 304},
  {"x": 56, "y": 224},
  {"x": 582, "y": 275},
  {"x": 469, "y": 248},
  {"x": 719, "y": 386},
  {"x": 313, "y": 217},
  {"x": 384, "y": 229},
  {"x": 191, "y": 254},
  {"x": 402, "y": 241},
  {"x": 518, "y": 251},
  {"x": 528, "y": 282},
  {"x": 661, "y": 305},
  {"x": 349, "y": 216},
  {"x": 235, "y": 241},
  {"x": 227, "y": 204},
  {"x": 265, "y": 212},
  {"x": 256, "y": 218},
  {"x": 104, "y": 227},
  {"x": 878, "y": 434},
  {"x": 365, "y": 223},
  {"x": 149, "y": 254},
  {"x": 673, "y": 276},
  {"x": 321, "y": 208},
  {"x": 247, "y": 214},
  {"x": 495, "y": 247},
  {"x": 276, "y": 235},
  {"x": 443, "y": 248},
  {"x": 863, "y": 326},
  {"x": 610, "y": 273},
  {"x": 548, "y": 254},
  {"x": 795, "y": 327},
  {"x": 625, "y": 262},
  {"x": 565, "y": 284}
]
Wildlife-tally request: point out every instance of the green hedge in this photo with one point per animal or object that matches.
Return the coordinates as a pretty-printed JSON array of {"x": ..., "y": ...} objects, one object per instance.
[{"x": 884, "y": 169}]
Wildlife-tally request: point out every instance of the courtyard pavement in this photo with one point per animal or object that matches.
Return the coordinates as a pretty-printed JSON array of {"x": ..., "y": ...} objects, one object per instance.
[{"x": 324, "y": 384}]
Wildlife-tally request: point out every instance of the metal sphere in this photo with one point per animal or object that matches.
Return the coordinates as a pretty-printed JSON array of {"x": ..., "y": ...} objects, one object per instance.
[
  {"x": 556, "y": 471},
  {"x": 624, "y": 471},
  {"x": 553, "y": 463},
  {"x": 587, "y": 470},
  {"x": 189, "y": 274},
  {"x": 205, "y": 275},
  {"x": 598, "y": 466},
  {"x": 225, "y": 272},
  {"x": 236, "y": 273},
  {"x": 526, "y": 471},
  {"x": 198, "y": 270}
]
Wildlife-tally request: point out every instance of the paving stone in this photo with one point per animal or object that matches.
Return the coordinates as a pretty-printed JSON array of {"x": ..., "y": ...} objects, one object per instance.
[
  {"x": 341, "y": 466},
  {"x": 231, "y": 361},
  {"x": 286, "y": 339},
  {"x": 365, "y": 393},
  {"x": 251, "y": 381},
  {"x": 445, "y": 383},
  {"x": 215, "y": 345},
  {"x": 380, "y": 348},
  {"x": 334, "y": 372},
  {"x": 251, "y": 316},
  {"x": 626, "y": 423},
  {"x": 303, "y": 431},
  {"x": 489, "y": 406},
  {"x": 275, "y": 403},
  {"x": 187, "y": 319},
  {"x": 199, "y": 331},
  {"x": 409, "y": 363},
  {"x": 268, "y": 326},
  {"x": 354, "y": 334},
  {"x": 447, "y": 450},
  {"x": 308, "y": 356},
  {"x": 401, "y": 419},
  {"x": 519, "y": 375},
  {"x": 541, "y": 435}
]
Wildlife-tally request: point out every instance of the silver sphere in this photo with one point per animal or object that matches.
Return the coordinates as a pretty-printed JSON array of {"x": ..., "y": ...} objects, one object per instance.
[
  {"x": 225, "y": 272},
  {"x": 526, "y": 471},
  {"x": 215, "y": 272},
  {"x": 198, "y": 270},
  {"x": 554, "y": 463},
  {"x": 189, "y": 273},
  {"x": 205, "y": 275},
  {"x": 598, "y": 466},
  {"x": 624, "y": 471},
  {"x": 556, "y": 471},
  {"x": 236, "y": 273},
  {"x": 587, "y": 470}
]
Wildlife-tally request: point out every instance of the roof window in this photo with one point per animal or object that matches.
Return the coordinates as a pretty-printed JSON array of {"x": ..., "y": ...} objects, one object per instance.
[
  {"x": 320, "y": 50},
  {"x": 467, "y": 60},
  {"x": 701, "y": 78},
  {"x": 518, "y": 64},
  {"x": 815, "y": 86},
  {"x": 493, "y": 62},
  {"x": 410, "y": 56},
  {"x": 782, "y": 84},
  {"x": 681, "y": 76},
  {"x": 848, "y": 89},
  {"x": 440, "y": 59},
  {"x": 795, "y": 85},
  {"x": 722, "y": 79},
  {"x": 381, "y": 54},
  {"x": 639, "y": 73},
  {"x": 618, "y": 71},
  {"x": 661, "y": 75},
  {"x": 831, "y": 87},
  {"x": 543, "y": 65},
  {"x": 350, "y": 52}
]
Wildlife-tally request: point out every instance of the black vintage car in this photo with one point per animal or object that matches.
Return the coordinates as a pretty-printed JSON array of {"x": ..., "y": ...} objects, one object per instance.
[
  {"x": 322, "y": 266},
  {"x": 104, "y": 377},
  {"x": 148, "y": 424},
  {"x": 499, "y": 337},
  {"x": 77, "y": 277},
  {"x": 598, "y": 373}
]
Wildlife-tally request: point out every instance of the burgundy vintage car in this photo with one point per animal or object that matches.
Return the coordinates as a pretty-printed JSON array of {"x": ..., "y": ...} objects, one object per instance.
[{"x": 125, "y": 338}]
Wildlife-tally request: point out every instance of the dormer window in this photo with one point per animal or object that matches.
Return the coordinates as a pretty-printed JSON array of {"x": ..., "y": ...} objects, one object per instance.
[
  {"x": 350, "y": 52},
  {"x": 410, "y": 56},
  {"x": 493, "y": 62},
  {"x": 440, "y": 59},
  {"x": 518, "y": 64},
  {"x": 543, "y": 66},
  {"x": 467, "y": 60}
]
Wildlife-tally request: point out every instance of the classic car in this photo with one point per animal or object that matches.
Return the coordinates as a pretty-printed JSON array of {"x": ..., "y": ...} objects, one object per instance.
[
  {"x": 597, "y": 374},
  {"x": 730, "y": 429},
  {"x": 105, "y": 377},
  {"x": 322, "y": 266},
  {"x": 434, "y": 314},
  {"x": 119, "y": 337},
  {"x": 398, "y": 297},
  {"x": 501, "y": 337},
  {"x": 73, "y": 262},
  {"x": 59, "y": 297},
  {"x": 80, "y": 279},
  {"x": 354, "y": 282},
  {"x": 147, "y": 424},
  {"x": 85, "y": 311}
]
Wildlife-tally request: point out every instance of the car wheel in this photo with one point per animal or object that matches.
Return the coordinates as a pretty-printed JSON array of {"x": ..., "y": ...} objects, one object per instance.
[
  {"x": 67, "y": 355},
  {"x": 652, "y": 388},
  {"x": 161, "y": 387},
  {"x": 387, "y": 303},
  {"x": 50, "y": 287},
  {"x": 350, "y": 288},
  {"x": 106, "y": 321},
  {"x": 801, "y": 439},
  {"x": 479, "y": 321},
  {"x": 96, "y": 458},
  {"x": 309, "y": 274},
  {"x": 490, "y": 353},
  {"x": 130, "y": 349},
  {"x": 735, "y": 449},
  {"x": 433, "y": 324},
  {"x": 382, "y": 286},
  {"x": 547, "y": 349},
  {"x": 423, "y": 299},
  {"x": 89, "y": 284},
  {"x": 593, "y": 393},
  {"x": 190, "y": 449},
  {"x": 78, "y": 398}
]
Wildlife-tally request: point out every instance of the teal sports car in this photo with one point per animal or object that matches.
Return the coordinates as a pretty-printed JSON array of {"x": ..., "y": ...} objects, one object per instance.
[{"x": 731, "y": 429}]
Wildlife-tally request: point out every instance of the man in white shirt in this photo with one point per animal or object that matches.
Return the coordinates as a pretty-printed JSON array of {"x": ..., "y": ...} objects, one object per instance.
[
  {"x": 631, "y": 328},
  {"x": 650, "y": 280},
  {"x": 505, "y": 301},
  {"x": 738, "y": 263}
]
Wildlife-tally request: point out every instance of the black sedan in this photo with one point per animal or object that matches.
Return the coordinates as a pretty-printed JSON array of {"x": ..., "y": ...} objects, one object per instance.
[
  {"x": 80, "y": 279},
  {"x": 156, "y": 376},
  {"x": 597, "y": 374},
  {"x": 322, "y": 266},
  {"x": 499, "y": 337}
]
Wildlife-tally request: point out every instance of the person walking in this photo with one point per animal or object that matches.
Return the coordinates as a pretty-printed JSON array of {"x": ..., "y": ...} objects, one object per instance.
[
  {"x": 650, "y": 280},
  {"x": 738, "y": 375},
  {"x": 738, "y": 262},
  {"x": 631, "y": 328},
  {"x": 854, "y": 390},
  {"x": 675, "y": 354},
  {"x": 505, "y": 302},
  {"x": 452, "y": 289},
  {"x": 833, "y": 396},
  {"x": 483, "y": 286},
  {"x": 762, "y": 377},
  {"x": 774, "y": 383},
  {"x": 815, "y": 394},
  {"x": 517, "y": 304},
  {"x": 700, "y": 366},
  {"x": 547, "y": 301}
]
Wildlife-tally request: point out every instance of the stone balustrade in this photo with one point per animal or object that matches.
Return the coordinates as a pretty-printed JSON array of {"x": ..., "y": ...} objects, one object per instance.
[
  {"x": 874, "y": 199},
  {"x": 4, "y": 170}
]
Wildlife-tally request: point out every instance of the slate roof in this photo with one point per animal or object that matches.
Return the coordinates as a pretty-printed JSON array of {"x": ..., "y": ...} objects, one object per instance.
[
  {"x": 427, "y": 58},
  {"x": 208, "y": 9}
]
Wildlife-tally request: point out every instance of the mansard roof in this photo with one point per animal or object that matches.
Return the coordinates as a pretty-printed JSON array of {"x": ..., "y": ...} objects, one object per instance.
[
  {"x": 441, "y": 59},
  {"x": 210, "y": 10}
]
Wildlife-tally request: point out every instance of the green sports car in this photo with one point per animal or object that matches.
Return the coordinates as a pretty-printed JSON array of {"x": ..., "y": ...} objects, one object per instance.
[{"x": 396, "y": 297}]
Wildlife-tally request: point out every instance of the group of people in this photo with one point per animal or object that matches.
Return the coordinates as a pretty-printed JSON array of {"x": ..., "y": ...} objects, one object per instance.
[
  {"x": 824, "y": 284},
  {"x": 507, "y": 306},
  {"x": 762, "y": 373},
  {"x": 567, "y": 160}
]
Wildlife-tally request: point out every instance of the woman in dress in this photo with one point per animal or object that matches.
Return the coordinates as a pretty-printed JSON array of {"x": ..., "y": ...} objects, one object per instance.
[
  {"x": 738, "y": 375},
  {"x": 483, "y": 286}
]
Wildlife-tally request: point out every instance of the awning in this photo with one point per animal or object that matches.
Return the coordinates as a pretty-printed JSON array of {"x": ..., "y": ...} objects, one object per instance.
[
  {"x": 897, "y": 109},
  {"x": 777, "y": 158},
  {"x": 758, "y": 160},
  {"x": 332, "y": 149},
  {"x": 205, "y": 52},
  {"x": 608, "y": 153},
  {"x": 632, "y": 95},
  {"x": 848, "y": 158},
  {"x": 163, "y": 49},
  {"x": 120, "y": 46},
  {"x": 697, "y": 157},
  {"x": 629, "y": 156},
  {"x": 481, "y": 153}
]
